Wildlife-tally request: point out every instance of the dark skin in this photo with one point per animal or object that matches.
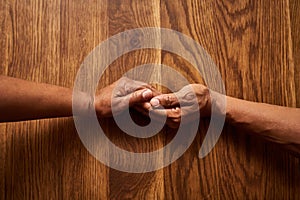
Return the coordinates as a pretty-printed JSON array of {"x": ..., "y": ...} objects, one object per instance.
[
  {"x": 276, "y": 123},
  {"x": 25, "y": 100},
  {"x": 188, "y": 110},
  {"x": 137, "y": 93}
]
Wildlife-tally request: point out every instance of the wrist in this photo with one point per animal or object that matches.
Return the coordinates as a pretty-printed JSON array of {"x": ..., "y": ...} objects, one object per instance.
[
  {"x": 83, "y": 104},
  {"x": 219, "y": 101}
]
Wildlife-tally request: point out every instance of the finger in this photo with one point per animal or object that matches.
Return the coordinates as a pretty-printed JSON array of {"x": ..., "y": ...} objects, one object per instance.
[
  {"x": 173, "y": 116},
  {"x": 165, "y": 100},
  {"x": 143, "y": 108},
  {"x": 142, "y": 85},
  {"x": 154, "y": 90},
  {"x": 126, "y": 86},
  {"x": 172, "y": 124},
  {"x": 138, "y": 84},
  {"x": 172, "y": 113},
  {"x": 140, "y": 96},
  {"x": 176, "y": 116}
]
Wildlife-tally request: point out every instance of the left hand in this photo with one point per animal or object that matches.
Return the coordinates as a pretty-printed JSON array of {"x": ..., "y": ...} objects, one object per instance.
[{"x": 194, "y": 99}]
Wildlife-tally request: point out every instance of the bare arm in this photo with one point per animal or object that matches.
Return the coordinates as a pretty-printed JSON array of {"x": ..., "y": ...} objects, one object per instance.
[
  {"x": 276, "y": 123},
  {"x": 26, "y": 100}
]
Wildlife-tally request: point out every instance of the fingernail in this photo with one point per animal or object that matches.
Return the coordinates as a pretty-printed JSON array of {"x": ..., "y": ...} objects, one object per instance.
[
  {"x": 147, "y": 94},
  {"x": 154, "y": 102},
  {"x": 147, "y": 105},
  {"x": 175, "y": 109}
]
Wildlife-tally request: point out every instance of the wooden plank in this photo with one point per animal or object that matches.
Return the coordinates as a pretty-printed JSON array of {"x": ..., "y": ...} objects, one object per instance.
[
  {"x": 27, "y": 173},
  {"x": 295, "y": 32},
  {"x": 254, "y": 36},
  {"x": 255, "y": 63},
  {"x": 254, "y": 44},
  {"x": 83, "y": 27},
  {"x": 5, "y": 45},
  {"x": 3, "y": 157},
  {"x": 198, "y": 176},
  {"x": 43, "y": 156},
  {"x": 125, "y": 15}
]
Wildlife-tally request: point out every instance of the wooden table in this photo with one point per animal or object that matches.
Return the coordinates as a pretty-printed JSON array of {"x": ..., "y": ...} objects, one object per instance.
[{"x": 255, "y": 44}]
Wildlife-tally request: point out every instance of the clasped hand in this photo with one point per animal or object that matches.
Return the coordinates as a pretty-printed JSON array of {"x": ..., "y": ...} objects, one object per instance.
[{"x": 194, "y": 98}]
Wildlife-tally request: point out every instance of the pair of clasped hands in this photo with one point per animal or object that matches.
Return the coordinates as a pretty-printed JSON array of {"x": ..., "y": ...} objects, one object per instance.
[{"x": 194, "y": 98}]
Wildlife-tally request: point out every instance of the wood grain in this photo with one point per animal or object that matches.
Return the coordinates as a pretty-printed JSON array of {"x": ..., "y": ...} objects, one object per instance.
[
  {"x": 46, "y": 42},
  {"x": 295, "y": 32},
  {"x": 128, "y": 16},
  {"x": 255, "y": 45},
  {"x": 255, "y": 63}
]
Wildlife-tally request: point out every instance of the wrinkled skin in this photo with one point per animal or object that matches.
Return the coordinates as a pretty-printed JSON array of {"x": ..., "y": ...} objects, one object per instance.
[
  {"x": 118, "y": 94},
  {"x": 193, "y": 97}
]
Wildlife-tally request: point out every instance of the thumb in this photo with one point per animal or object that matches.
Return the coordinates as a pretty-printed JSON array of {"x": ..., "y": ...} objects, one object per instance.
[
  {"x": 140, "y": 96},
  {"x": 165, "y": 100}
]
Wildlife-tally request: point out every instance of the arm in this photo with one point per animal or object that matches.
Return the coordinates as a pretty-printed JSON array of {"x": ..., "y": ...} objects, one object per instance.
[
  {"x": 26, "y": 100},
  {"x": 276, "y": 123}
]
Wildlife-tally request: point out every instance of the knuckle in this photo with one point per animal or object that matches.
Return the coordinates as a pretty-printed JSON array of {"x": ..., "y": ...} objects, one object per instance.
[
  {"x": 124, "y": 80},
  {"x": 176, "y": 114},
  {"x": 135, "y": 94},
  {"x": 177, "y": 120}
]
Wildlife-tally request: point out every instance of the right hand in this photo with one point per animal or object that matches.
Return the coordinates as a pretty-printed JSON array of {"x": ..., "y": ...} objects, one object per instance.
[
  {"x": 194, "y": 98},
  {"x": 118, "y": 94}
]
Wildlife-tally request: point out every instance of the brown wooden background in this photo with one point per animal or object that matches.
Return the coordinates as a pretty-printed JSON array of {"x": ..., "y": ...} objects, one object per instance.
[{"x": 255, "y": 45}]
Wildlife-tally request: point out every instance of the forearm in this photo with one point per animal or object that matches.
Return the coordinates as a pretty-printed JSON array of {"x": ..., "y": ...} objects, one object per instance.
[
  {"x": 277, "y": 123},
  {"x": 25, "y": 100}
]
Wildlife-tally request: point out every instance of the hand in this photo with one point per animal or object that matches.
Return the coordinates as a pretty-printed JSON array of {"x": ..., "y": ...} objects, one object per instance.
[
  {"x": 120, "y": 93},
  {"x": 194, "y": 98}
]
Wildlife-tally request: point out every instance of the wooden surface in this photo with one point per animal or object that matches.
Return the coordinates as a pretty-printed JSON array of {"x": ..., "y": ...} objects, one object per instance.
[{"x": 255, "y": 44}]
